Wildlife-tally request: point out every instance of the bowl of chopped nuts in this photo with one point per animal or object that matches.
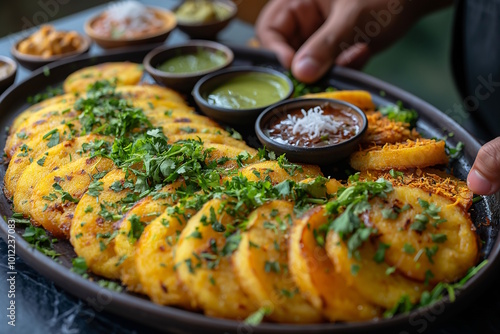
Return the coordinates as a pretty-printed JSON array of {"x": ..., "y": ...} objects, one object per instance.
[{"x": 48, "y": 45}]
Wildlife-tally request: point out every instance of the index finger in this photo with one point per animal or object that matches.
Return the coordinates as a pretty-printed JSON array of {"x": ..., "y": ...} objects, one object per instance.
[{"x": 275, "y": 28}]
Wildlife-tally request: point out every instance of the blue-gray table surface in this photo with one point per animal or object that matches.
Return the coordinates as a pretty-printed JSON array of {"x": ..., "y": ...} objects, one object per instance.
[{"x": 42, "y": 307}]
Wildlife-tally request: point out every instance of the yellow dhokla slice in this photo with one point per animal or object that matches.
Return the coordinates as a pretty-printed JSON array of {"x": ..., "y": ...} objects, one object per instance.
[
  {"x": 154, "y": 258},
  {"x": 55, "y": 197},
  {"x": 427, "y": 236},
  {"x": 40, "y": 107},
  {"x": 419, "y": 153},
  {"x": 210, "y": 138},
  {"x": 371, "y": 279},
  {"x": 360, "y": 98},
  {"x": 180, "y": 128},
  {"x": 229, "y": 157},
  {"x": 31, "y": 149},
  {"x": 277, "y": 174},
  {"x": 53, "y": 159},
  {"x": 153, "y": 93},
  {"x": 92, "y": 228},
  {"x": 315, "y": 275},
  {"x": 40, "y": 124},
  {"x": 124, "y": 73},
  {"x": 203, "y": 263},
  {"x": 262, "y": 267},
  {"x": 130, "y": 228}
]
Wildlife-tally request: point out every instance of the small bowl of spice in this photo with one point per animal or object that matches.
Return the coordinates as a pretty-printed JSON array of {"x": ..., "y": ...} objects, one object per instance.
[
  {"x": 315, "y": 131},
  {"x": 238, "y": 95},
  {"x": 8, "y": 71},
  {"x": 129, "y": 23},
  {"x": 181, "y": 66},
  {"x": 47, "y": 45},
  {"x": 204, "y": 19}
]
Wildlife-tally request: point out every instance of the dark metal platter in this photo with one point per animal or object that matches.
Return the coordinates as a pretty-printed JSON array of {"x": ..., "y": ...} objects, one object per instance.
[{"x": 432, "y": 123}]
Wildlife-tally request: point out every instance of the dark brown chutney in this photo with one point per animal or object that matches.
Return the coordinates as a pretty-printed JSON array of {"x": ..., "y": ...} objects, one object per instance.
[{"x": 317, "y": 127}]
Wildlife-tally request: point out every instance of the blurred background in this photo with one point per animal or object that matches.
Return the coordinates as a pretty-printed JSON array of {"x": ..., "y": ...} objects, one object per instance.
[{"x": 419, "y": 63}]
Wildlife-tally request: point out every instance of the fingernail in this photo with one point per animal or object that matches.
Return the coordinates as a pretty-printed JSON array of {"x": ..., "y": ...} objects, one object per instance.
[
  {"x": 307, "y": 68},
  {"x": 478, "y": 183}
]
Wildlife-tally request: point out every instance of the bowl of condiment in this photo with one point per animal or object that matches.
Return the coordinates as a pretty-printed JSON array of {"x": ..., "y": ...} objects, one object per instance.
[
  {"x": 8, "y": 71},
  {"x": 128, "y": 23},
  {"x": 47, "y": 45},
  {"x": 181, "y": 66},
  {"x": 238, "y": 95},
  {"x": 204, "y": 19},
  {"x": 316, "y": 131}
]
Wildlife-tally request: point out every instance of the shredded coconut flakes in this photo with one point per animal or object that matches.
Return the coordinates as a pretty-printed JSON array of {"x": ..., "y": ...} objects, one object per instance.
[{"x": 314, "y": 123}]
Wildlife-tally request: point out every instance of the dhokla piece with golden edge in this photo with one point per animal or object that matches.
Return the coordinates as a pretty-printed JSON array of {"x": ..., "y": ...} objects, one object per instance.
[
  {"x": 262, "y": 265},
  {"x": 430, "y": 237},
  {"x": 370, "y": 278},
  {"x": 124, "y": 73},
  {"x": 154, "y": 258},
  {"x": 54, "y": 199},
  {"x": 360, "y": 98},
  {"x": 272, "y": 170},
  {"x": 130, "y": 227},
  {"x": 92, "y": 228},
  {"x": 204, "y": 265},
  {"x": 315, "y": 274},
  {"x": 54, "y": 159},
  {"x": 419, "y": 153}
]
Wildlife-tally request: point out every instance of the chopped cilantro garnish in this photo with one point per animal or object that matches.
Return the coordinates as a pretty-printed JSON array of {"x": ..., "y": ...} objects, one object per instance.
[
  {"x": 110, "y": 285},
  {"x": 49, "y": 93},
  {"x": 379, "y": 256},
  {"x": 273, "y": 266},
  {"x": 389, "y": 213},
  {"x": 232, "y": 243},
  {"x": 399, "y": 114},
  {"x": 65, "y": 196},
  {"x": 39, "y": 239},
  {"x": 289, "y": 167},
  {"x": 136, "y": 228},
  {"x": 79, "y": 265},
  {"x": 430, "y": 252},
  {"x": 420, "y": 222},
  {"x": 389, "y": 271},
  {"x": 95, "y": 188},
  {"x": 404, "y": 305},
  {"x": 455, "y": 152},
  {"x": 428, "y": 276},
  {"x": 22, "y": 135},
  {"x": 355, "y": 269},
  {"x": 41, "y": 161},
  {"x": 256, "y": 318},
  {"x": 355, "y": 201},
  {"x": 439, "y": 238},
  {"x": 396, "y": 174},
  {"x": 408, "y": 249}
]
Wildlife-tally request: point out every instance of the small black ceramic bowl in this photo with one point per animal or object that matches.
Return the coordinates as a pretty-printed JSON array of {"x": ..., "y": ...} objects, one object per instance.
[
  {"x": 207, "y": 30},
  {"x": 32, "y": 62},
  {"x": 324, "y": 155},
  {"x": 183, "y": 82},
  {"x": 9, "y": 79},
  {"x": 211, "y": 82}
]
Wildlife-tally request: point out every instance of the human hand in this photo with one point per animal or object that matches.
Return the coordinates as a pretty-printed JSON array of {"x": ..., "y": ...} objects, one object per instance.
[
  {"x": 309, "y": 36},
  {"x": 484, "y": 177}
]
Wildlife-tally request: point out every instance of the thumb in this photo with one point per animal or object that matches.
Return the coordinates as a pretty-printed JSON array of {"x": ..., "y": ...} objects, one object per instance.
[
  {"x": 484, "y": 177},
  {"x": 319, "y": 52}
]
